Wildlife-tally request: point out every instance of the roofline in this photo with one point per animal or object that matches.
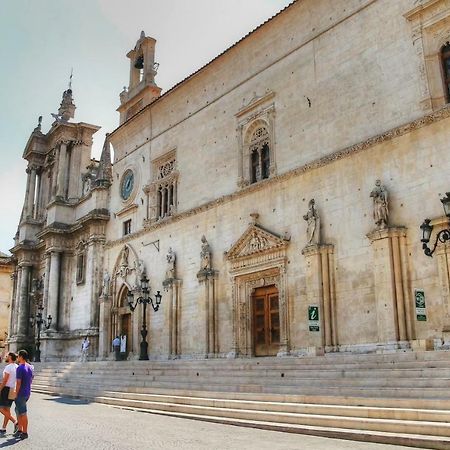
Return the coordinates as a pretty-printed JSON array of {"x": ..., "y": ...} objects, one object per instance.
[{"x": 192, "y": 75}]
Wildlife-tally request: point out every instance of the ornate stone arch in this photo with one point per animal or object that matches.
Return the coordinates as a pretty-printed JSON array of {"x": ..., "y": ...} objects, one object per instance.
[
  {"x": 126, "y": 276},
  {"x": 257, "y": 259}
]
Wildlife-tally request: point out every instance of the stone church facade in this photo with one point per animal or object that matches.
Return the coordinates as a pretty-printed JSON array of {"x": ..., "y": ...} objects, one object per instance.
[{"x": 274, "y": 197}]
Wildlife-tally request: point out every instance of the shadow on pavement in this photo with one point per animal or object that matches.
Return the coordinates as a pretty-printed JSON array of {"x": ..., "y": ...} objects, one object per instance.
[
  {"x": 68, "y": 401},
  {"x": 9, "y": 441}
]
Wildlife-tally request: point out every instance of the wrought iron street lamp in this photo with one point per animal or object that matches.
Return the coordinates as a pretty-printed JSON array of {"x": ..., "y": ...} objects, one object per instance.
[
  {"x": 426, "y": 227},
  {"x": 144, "y": 300},
  {"x": 40, "y": 321}
]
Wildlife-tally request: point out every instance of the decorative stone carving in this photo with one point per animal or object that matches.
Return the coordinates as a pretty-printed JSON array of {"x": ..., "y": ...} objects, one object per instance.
[
  {"x": 124, "y": 268},
  {"x": 258, "y": 258},
  {"x": 313, "y": 219},
  {"x": 105, "y": 286},
  {"x": 171, "y": 260},
  {"x": 205, "y": 255},
  {"x": 67, "y": 108},
  {"x": 380, "y": 205}
]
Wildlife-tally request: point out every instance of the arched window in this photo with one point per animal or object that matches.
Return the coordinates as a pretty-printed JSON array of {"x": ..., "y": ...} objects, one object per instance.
[
  {"x": 445, "y": 57},
  {"x": 259, "y": 155},
  {"x": 255, "y": 166},
  {"x": 265, "y": 161}
]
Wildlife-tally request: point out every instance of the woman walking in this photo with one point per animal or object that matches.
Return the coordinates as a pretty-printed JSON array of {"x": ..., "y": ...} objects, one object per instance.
[{"x": 7, "y": 392}]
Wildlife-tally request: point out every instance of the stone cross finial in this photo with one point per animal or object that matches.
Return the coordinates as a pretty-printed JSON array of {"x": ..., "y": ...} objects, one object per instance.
[{"x": 254, "y": 217}]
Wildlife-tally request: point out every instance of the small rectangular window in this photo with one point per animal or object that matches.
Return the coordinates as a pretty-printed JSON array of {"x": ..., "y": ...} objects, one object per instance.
[
  {"x": 81, "y": 260},
  {"x": 127, "y": 227}
]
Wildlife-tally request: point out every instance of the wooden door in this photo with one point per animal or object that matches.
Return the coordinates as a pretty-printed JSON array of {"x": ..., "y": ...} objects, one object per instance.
[
  {"x": 266, "y": 321},
  {"x": 125, "y": 329}
]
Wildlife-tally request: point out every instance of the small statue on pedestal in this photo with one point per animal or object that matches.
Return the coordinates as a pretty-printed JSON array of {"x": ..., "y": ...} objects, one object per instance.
[
  {"x": 380, "y": 205},
  {"x": 313, "y": 220}
]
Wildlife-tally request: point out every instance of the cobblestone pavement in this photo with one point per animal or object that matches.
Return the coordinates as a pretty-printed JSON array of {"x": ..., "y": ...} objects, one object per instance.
[{"x": 66, "y": 424}]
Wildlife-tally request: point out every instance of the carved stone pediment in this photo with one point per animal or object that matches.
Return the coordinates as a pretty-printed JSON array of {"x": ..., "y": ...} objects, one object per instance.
[{"x": 255, "y": 247}]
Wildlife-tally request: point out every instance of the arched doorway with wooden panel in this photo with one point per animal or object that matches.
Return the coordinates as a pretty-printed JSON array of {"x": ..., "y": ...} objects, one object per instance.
[
  {"x": 266, "y": 321},
  {"x": 122, "y": 322}
]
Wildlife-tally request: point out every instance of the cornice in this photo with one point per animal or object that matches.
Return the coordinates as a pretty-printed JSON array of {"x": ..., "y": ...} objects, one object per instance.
[{"x": 338, "y": 155}]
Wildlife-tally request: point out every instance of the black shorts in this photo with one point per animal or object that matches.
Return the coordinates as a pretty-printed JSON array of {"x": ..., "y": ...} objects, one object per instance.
[{"x": 4, "y": 401}]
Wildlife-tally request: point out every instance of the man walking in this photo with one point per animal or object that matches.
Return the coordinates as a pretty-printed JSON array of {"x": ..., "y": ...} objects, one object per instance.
[
  {"x": 24, "y": 377},
  {"x": 7, "y": 391},
  {"x": 116, "y": 348},
  {"x": 85, "y": 349}
]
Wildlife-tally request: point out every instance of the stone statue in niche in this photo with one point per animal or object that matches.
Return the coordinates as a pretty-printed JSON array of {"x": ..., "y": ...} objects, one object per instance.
[
  {"x": 105, "y": 286},
  {"x": 124, "y": 269},
  {"x": 205, "y": 255},
  {"x": 313, "y": 228},
  {"x": 170, "y": 272},
  {"x": 139, "y": 270},
  {"x": 380, "y": 205}
]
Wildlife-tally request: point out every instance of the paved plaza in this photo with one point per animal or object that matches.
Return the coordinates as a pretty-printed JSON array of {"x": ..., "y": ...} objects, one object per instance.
[{"x": 62, "y": 423}]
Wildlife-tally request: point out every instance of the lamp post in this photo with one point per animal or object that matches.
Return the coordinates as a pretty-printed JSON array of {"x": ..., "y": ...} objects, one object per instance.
[
  {"x": 426, "y": 227},
  {"x": 39, "y": 321},
  {"x": 144, "y": 300}
]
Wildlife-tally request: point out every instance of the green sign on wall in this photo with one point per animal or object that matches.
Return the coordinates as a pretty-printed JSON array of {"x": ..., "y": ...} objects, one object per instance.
[
  {"x": 313, "y": 318},
  {"x": 419, "y": 299}
]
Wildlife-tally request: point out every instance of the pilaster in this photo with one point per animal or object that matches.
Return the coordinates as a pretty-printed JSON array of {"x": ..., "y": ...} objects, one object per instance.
[
  {"x": 208, "y": 303},
  {"x": 53, "y": 289},
  {"x": 393, "y": 302},
  {"x": 173, "y": 317},
  {"x": 321, "y": 292}
]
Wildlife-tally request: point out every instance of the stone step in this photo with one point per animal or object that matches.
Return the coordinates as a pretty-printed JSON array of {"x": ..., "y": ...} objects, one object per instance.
[
  {"x": 317, "y": 399},
  {"x": 284, "y": 380},
  {"x": 331, "y": 358},
  {"x": 250, "y": 364},
  {"x": 290, "y": 407},
  {"x": 323, "y": 420},
  {"x": 287, "y": 372},
  {"x": 362, "y": 391}
]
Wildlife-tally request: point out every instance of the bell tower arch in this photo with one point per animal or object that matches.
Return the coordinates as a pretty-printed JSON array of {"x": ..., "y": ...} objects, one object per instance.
[{"x": 142, "y": 88}]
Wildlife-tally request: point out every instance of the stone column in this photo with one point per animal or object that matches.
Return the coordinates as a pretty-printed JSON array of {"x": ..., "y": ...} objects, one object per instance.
[
  {"x": 24, "y": 310},
  {"x": 53, "y": 288},
  {"x": 12, "y": 324},
  {"x": 62, "y": 169},
  {"x": 321, "y": 292},
  {"x": 208, "y": 303},
  {"x": 284, "y": 314},
  {"x": 234, "y": 317},
  {"x": 46, "y": 281},
  {"x": 38, "y": 194},
  {"x": 394, "y": 325},
  {"x": 31, "y": 193},
  {"x": 104, "y": 344}
]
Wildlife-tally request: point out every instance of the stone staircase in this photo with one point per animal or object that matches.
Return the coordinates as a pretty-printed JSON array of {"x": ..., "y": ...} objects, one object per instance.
[{"x": 396, "y": 398}]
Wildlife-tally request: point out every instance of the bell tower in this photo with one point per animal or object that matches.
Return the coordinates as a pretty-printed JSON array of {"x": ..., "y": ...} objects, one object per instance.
[{"x": 142, "y": 89}]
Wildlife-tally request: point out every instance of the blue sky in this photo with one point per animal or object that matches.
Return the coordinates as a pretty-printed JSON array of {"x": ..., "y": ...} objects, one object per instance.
[{"x": 40, "y": 41}]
